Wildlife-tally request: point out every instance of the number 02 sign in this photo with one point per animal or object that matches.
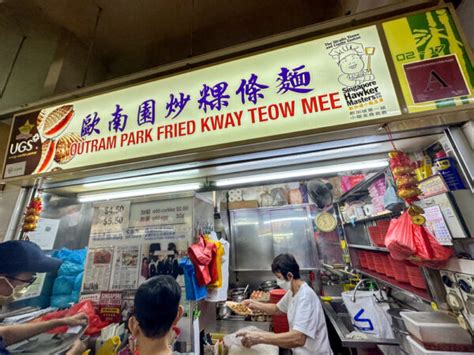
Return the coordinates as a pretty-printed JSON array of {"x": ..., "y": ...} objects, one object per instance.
[{"x": 111, "y": 217}]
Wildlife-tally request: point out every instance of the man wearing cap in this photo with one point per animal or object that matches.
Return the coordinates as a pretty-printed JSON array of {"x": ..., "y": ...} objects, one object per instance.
[{"x": 20, "y": 260}]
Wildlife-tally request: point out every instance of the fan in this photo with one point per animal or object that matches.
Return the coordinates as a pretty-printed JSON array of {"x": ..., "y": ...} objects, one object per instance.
[{"x": 320, "y": 193}]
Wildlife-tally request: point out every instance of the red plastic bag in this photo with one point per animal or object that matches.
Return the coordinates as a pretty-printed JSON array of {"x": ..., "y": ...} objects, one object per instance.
[
  {"x": 399, "y": 239},
  {"x": 95, "y": 323},
  {"x": 406, "y": 240}
]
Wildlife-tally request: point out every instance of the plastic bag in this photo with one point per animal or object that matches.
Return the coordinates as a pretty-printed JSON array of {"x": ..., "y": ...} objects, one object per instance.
[
  {"x": 236, "y": 348},
  {"x": 368, "y": 312},
  {"x": 74, "y": 256},
  {"x": 69, "y": 268},
  {"x": 95, "y": 323},
  {"x": 63, "y": 285},
  {"x": 406, "y": 240},
  {"x": 391, "y": 201}
]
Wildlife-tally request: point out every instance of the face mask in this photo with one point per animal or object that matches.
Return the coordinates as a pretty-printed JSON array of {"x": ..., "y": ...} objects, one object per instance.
[
  {"x": 14, "y": 293},
  {"x": 284, "y": 284}
]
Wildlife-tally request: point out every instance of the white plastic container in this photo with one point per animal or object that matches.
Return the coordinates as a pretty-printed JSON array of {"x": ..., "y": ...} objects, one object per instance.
[
  {"x": 418, "y": 349},
  {"x": 435, "y": 328}
]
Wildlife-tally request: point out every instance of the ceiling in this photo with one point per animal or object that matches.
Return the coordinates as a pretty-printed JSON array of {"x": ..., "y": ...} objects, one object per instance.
[{"x": 134, "y": 35}]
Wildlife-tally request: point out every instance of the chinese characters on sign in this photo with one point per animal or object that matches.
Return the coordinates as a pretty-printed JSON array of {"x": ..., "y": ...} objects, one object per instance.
[{"x": 295, "y": 90}]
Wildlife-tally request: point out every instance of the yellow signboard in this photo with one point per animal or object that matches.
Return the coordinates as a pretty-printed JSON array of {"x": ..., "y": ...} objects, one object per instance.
[
  {"x": 327, "y": 82},
  {"x": 431, "y": 60}
]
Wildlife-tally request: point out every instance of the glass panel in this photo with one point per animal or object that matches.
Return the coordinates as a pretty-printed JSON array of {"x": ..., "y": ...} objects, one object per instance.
[
  {"x": 290, "y": 235},
  {"x": 252, "y": 239},
  {"x": 258, "y": 235}
]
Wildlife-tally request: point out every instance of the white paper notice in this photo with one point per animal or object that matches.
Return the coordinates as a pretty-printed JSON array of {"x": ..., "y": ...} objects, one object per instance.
[
  {"x": 126, "y": 266},
  {"x": 45, "y": 233},
  {"x": 98, "y": 270},
  {"x": 111, "y": 217},
  {"x": 109, "y": 223},
  {"x": 437, "y": 226}
]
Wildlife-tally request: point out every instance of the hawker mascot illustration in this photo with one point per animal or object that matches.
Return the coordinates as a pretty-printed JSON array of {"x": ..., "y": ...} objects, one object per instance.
[{"x": 350, "y": 58}]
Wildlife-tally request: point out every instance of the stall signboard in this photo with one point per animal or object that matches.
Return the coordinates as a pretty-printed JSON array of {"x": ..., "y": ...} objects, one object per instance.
[
  {"x": 328, "y": 82},
  {"x": 431, "y": 60}
]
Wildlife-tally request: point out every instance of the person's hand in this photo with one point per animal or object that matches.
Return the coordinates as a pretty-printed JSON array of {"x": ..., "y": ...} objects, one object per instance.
[
  {"x": 78, "y": 319},
  {"x": 250, "y": 304},
  {"x": 78, "y": 348},
  {"x": 250, "y": 339}
]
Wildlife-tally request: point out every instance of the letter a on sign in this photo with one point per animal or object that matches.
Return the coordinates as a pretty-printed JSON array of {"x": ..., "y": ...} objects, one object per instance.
[{"x": 437, "y": 81}]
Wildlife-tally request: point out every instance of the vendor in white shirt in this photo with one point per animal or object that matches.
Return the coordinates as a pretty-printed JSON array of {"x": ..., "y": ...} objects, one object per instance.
[{"x": 308, "y": 332}]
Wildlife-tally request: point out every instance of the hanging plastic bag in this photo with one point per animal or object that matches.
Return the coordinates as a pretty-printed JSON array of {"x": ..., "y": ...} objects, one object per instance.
[
  {"x": 391, "y": 201},
  {"x": 194, "y": 292},
  {"x": 368, "y": 311},
  {"x": 399, "y": 239},
  {"x": 406, "y": 240},
  {"x": 200, "y": 254}
]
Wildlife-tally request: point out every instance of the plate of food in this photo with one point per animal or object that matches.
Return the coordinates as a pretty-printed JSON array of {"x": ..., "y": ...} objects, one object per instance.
[{"x": 239, "y": 308}]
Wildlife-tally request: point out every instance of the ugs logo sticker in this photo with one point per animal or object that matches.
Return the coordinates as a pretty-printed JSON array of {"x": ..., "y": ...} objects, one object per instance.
[
  {"x": 24, "y": 146},
  {"x": 25, "y": 139}
]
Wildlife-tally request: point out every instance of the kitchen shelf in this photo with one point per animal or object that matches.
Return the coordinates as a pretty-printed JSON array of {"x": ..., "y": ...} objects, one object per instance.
[
  {"x": 361, "y": 187},
  {"x": 373, "y": 218},
  {"x": 367, "y": 247},
  {"x": 423, "y": 294}
]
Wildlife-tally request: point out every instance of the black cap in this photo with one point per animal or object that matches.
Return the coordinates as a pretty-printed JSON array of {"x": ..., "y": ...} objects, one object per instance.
[{"x": 23, "y": 256}]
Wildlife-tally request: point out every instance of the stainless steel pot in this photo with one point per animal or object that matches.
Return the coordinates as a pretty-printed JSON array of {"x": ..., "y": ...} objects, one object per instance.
[
  {"x": 238, "y": 298},
  {"x": 222, "y": 311},
  {"x": 238, "y": 294},
  {"x": 268, "y": 285}
]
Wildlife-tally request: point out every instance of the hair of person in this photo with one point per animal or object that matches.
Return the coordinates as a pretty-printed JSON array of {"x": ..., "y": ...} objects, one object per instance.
[
  {"x": 285, "y": 263},
  {"x": 156, "y": 305}
]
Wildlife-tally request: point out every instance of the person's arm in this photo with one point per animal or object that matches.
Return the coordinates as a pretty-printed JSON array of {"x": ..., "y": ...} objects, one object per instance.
[
  {"x": 77, "y": 348},
  {"x": 268, "y": 308},
  {"x": 13, "y": 334},
  {"x": 289, "y": 340}
]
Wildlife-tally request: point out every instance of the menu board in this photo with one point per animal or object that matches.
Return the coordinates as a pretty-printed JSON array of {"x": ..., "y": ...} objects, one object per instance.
[{"x": 122, "y": 223}]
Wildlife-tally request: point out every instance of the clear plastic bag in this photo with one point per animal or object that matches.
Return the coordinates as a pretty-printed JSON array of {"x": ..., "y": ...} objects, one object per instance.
[{"x": 234, "y": 344}]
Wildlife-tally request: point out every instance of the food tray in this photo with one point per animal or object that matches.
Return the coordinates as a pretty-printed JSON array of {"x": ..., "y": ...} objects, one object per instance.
[{"x": 435, "y": 327}]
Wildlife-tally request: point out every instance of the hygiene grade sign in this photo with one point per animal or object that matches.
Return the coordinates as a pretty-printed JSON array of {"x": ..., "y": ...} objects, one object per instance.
[
  {"x": 328, "y": 82},
  {"x": 431, "y": 60}
]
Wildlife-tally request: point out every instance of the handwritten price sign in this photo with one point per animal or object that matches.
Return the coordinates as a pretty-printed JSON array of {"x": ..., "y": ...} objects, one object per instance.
[{"x": 111, "y": 217}]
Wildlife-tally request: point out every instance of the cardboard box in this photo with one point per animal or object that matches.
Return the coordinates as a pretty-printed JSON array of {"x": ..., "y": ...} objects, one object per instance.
[{"x": 243, "y": 204}]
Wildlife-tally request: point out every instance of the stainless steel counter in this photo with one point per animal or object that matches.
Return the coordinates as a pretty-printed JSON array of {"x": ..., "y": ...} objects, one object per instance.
[{"x": 341, "y": 321}]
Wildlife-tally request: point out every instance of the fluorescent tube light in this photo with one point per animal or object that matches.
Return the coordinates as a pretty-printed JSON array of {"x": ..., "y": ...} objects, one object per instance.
[
  {"x": 143, "y": 180},
  {"x": 90, "y": 197},
  {"x": 295, "y": 158},
  {"x": 322, "y": 170}
]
